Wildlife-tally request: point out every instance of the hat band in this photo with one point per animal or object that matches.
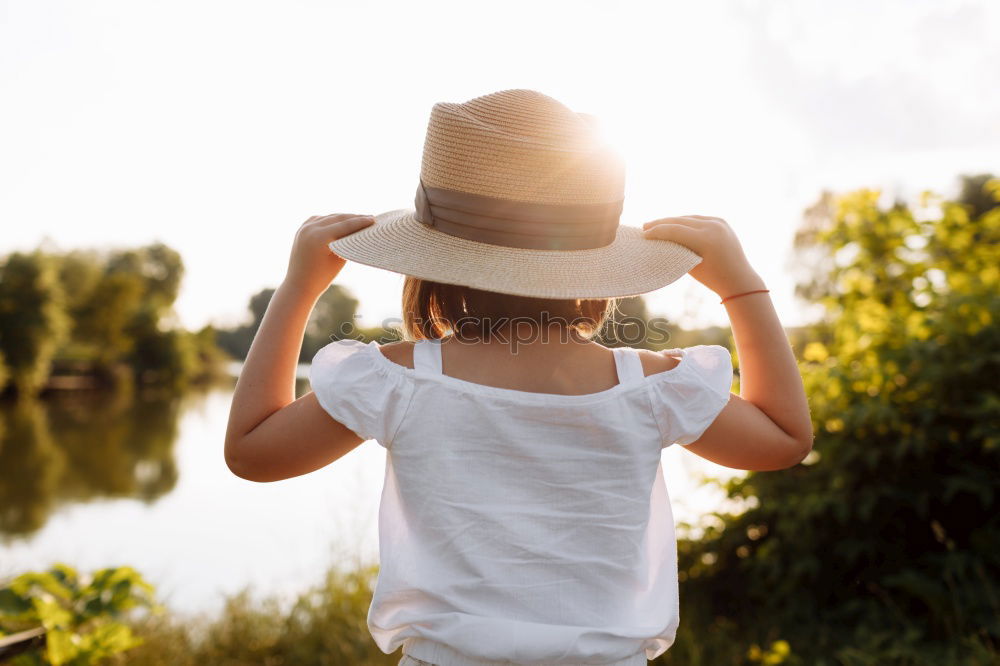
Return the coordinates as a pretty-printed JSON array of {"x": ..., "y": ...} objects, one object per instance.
[{"x": 518, "y": 223}]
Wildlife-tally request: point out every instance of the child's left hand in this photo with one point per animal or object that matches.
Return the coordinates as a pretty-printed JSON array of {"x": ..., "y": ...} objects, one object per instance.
[{"x": 313, "y": 265}]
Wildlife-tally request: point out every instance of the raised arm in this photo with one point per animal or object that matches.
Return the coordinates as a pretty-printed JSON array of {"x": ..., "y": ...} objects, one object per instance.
[
  {"x": 767, "y": 426},
  {"x": 271, "y": 435}
]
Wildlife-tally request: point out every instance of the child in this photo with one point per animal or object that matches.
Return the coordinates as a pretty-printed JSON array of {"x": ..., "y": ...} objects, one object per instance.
[{"x": 524, "y": 517}]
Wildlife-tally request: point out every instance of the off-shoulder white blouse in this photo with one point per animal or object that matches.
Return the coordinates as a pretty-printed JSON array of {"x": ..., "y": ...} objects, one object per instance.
[{"x": 519, "y": 527}]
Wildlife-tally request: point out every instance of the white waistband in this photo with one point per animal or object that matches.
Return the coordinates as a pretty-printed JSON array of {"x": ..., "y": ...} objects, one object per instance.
[{"x": 440, "y": 654}]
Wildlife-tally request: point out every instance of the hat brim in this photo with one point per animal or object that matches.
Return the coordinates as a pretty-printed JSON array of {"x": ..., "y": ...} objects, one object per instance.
[{"x": 628, "y": 266}]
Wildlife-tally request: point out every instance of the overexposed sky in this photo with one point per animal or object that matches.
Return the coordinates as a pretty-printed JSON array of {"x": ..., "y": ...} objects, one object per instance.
[{"x": 218, "y": 127}]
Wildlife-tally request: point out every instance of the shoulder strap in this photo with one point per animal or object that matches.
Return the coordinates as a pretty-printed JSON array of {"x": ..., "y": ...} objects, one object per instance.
[
  {"x": 628, "y": 364},
  {"x": 427, "y": 356}
]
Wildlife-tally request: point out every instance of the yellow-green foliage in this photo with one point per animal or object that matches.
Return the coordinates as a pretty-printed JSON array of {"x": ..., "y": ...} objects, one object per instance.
[
  {"x": 84, "y": 617},
  {"x": 883, "y": 547}
]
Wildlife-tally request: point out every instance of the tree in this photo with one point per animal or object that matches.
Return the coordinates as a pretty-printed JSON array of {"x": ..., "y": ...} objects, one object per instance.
[
  {"x": 884, "y": 545},
  {"x": 258, "y": 306},
  {"x": 4, "y": 373},
  {"x": 159, "y": 267},
  {"x": 163, "y": 357},
  {"x": 236, "y": 341},
  {"x": 106, "y": 315},
  {"x": 331, "y": 319},
  {"x": 33, "y": 321},
  {"x": 977, "y": 194},
  {"x": 101, "y": 314},
  {"x": 79, "y": 273}
]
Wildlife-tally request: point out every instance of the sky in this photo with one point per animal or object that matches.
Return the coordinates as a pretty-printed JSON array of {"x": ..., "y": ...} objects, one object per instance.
[{"x": 219, "y": 127}]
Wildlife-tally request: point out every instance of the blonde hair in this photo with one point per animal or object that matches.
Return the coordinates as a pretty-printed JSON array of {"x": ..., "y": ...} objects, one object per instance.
[{"x": 433, "y": 310}]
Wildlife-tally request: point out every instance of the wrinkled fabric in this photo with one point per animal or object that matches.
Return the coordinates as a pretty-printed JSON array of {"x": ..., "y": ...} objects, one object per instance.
[
  {"x": 519, "y": 527},
  {"x": 369, "y": 398},
  {"x": 407, "y": 660}
]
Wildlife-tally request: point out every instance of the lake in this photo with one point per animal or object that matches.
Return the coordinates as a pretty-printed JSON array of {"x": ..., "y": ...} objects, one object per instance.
[{"x": 97, "y": 479}]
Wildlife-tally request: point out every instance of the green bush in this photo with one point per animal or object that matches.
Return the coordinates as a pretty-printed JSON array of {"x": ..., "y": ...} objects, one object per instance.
[
  {"x": 883, "y": 547},
  {"x": 84, "y": 618}
]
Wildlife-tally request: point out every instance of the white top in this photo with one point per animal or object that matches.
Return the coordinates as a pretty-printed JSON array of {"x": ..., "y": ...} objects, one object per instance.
[{"x": 522, "y": 527}]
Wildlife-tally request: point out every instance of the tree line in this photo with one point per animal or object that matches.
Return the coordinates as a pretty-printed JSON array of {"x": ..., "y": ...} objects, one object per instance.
[{"x": 102, "y": 316}]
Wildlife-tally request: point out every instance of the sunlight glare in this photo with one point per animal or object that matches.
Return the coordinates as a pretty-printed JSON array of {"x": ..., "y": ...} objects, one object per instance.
[{"x": 611, "y": 134}]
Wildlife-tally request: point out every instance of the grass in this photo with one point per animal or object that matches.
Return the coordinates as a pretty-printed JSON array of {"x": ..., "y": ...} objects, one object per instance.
[{"x": 325, "y": 626}]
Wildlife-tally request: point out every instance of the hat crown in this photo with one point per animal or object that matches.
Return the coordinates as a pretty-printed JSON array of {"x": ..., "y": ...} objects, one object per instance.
[
  {"x": 520, "y": 145},
  {"x": 528, "y": 115}
]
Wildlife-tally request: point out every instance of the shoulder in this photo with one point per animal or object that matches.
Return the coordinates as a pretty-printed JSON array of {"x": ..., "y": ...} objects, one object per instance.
[
  {"x": 689, "y": 399},
  {"x": 352, "y": 367},
  {"x": 348, "y": 357},
  {"x": 702, "y": 363},
  {"x": 400, "y": 353},
  {"x": 361, "y": 388},
  {"x": 654, "y": 362}
]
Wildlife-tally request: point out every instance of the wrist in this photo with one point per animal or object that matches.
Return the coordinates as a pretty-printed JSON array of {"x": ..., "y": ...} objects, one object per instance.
[
  {"x": 299, "y": 292},
  {"x": 732, "y": 297},
  {"x": 741, "y": 282}
]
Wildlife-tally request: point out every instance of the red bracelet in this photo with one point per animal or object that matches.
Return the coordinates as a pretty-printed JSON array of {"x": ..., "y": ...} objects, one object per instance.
[{"x": 745, "y": 293}]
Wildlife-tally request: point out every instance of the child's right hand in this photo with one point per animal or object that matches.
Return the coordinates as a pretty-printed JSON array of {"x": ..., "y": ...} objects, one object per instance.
[{"x": 724, "y": 267}]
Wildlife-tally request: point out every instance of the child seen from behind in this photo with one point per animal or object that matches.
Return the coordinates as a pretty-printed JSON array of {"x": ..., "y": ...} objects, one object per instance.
[{"x": 524, "y": 516}]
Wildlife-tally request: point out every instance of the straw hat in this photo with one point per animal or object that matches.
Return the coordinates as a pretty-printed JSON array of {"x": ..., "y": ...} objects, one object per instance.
[{"x": 518, "y": 195}]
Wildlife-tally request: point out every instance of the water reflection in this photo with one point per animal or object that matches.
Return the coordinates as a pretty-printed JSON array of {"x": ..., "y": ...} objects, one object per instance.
[{"x": 82, "y": 445}]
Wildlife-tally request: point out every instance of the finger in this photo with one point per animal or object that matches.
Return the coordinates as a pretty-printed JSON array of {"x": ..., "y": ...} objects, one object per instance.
[
  {"x": 684, "y": 219},
  {"x": 678, "y": 233},
  {"x": 333, "y": 227},
  {"x": 680, "y": 219},
  {"x": 336, "y": 217},
  {"x": 342, "y": 228}
]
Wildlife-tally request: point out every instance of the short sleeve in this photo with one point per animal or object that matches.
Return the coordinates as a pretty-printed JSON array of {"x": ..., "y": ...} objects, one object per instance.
[
  {"x": 688, "y": 398},
  {"x": 355, "y": 384}
]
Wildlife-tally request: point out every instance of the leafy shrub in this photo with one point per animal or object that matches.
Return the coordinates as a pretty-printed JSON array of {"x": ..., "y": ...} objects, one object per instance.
[
  {"x": 883, "y": 547},
  {"x": 84, "y": 617}
]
